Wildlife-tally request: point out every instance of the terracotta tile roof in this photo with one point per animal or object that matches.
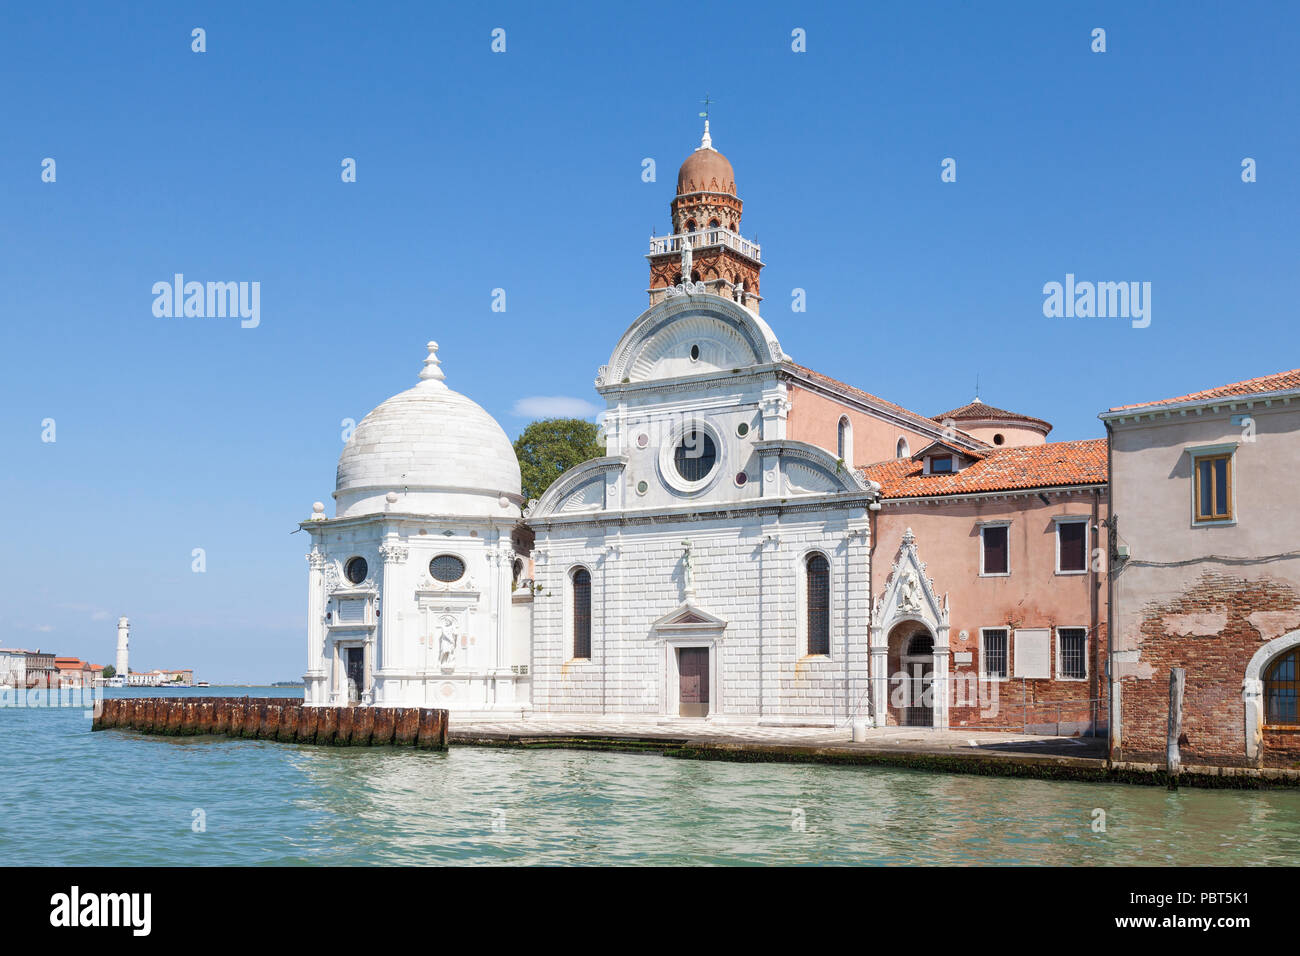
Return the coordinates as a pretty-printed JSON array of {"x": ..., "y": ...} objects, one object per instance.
[
  {"x": 979, "y": 411},
  {"x": 1279, "y": 382},
  {"x": 927, "y": 424},
  {"x": 1003, "y": 469}
]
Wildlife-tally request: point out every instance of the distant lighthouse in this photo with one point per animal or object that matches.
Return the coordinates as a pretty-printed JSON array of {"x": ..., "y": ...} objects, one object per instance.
[{"x": 123, "y": 639}]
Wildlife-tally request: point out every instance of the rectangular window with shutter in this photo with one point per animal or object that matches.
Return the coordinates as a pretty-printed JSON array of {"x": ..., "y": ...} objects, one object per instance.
[
  {"x": 1071, "y": 547},
  {"x": 993, "y": 544}
]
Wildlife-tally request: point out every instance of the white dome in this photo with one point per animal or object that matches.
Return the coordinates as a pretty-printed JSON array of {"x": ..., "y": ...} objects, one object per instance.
[{"x": 437, "y": 451}]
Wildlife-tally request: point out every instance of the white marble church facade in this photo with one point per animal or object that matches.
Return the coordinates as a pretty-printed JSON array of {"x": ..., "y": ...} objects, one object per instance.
[{"x": 700, "y": 560}]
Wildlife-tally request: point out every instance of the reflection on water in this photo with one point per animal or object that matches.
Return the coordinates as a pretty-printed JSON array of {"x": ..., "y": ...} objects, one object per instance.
[{"x": 119, "y": 798}]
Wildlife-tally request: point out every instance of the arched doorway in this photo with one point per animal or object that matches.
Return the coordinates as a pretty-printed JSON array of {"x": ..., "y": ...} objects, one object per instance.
[
  {"x": 918, "y": 663},
  {"x": 911, "y": 684}
]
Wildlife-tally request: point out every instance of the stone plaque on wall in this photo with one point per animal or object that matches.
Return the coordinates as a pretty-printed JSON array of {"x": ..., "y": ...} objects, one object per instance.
[{"x": 1033, "y": 653}]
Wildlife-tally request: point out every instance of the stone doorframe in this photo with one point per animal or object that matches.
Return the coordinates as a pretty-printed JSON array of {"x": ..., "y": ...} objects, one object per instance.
[
  {"x": 1252, "y": 690},
  {"x": 688, "y": 626},
  {"x": 908, "y": 596},
  {"x": 339, "y": 678}
]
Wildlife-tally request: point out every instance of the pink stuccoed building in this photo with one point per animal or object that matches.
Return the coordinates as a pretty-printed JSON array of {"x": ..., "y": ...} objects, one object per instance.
[{"x": 1207, "y": 573}]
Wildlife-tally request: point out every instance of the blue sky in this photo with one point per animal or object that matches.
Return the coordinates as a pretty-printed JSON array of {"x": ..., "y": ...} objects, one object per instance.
[{"x": 522, "y": 171}]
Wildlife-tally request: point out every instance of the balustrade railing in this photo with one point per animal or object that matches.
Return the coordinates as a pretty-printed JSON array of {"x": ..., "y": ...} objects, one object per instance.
[{"x": 703, "y": 238}]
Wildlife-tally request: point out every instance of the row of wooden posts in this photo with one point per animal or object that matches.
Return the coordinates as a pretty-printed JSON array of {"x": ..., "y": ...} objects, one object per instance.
[{"x": 278, "y": 718}]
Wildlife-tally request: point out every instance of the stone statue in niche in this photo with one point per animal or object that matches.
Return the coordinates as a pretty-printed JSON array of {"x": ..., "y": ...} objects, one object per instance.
[
  {"x": 909, "y": 595},
  {"x": 447, "y": 643}
]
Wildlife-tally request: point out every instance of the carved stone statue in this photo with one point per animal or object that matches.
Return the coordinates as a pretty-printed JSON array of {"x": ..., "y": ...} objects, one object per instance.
[
  {"x": 909, "y": 595},
  {"x": 447, "y": 643},
  {"x": 688, "y": 567},
  {"x": 688, "y": 260}
]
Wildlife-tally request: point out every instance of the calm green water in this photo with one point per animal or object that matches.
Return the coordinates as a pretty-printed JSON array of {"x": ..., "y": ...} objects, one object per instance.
[{"x": 71, "y": 796}]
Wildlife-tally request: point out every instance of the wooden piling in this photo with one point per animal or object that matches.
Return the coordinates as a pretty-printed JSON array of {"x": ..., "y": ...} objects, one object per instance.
[
  {"x": 270, "y": 727},
  {"x": 1173, "y": 759},
  {"x": 327, "y": 725},
  {"x": 433, "y": 730},
  {"x": 343, "y": 737},
  {"x": 288, "y": 731},
  {"x": 308, "y": 720},
  {"x": 363, "y": 726},
  {"x": 407, "y": 723},
  {"x": 384, "y": 727},
  {"x": 274, "y": 718}
]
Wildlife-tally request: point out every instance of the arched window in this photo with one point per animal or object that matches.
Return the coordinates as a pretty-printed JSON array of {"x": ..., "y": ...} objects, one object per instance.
[
  {"x": 690, "y": 225},
  {"x": 845, "y": 440},
  {"x": 582, "y": 613},
  {"x": 713, "y": 224},
  {"x": 1281, "y": 687},
  {"x": 902, "y": 451},
  {"x": 818, "y": 572}
]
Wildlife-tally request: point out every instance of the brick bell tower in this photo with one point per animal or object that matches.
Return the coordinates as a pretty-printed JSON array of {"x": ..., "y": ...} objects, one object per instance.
[{"x": 706, "y": 248}]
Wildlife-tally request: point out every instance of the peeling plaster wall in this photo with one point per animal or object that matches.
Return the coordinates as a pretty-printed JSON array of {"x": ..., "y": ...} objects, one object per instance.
[{"x": 1203, "y": 597}]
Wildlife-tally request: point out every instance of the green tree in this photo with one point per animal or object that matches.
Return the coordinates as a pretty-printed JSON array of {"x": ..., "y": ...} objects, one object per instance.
[
  {"x": 110, "y": 671},
  {"x": 549, "y": 448}
]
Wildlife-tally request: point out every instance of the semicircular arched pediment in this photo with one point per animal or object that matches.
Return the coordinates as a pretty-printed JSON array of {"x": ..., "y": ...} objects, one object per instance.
[{"x": 659, "y": 344}]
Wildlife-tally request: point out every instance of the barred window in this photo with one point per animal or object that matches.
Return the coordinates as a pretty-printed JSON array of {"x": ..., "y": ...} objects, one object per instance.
[
  {"x": 582, "y": 613},
  {"x": 1281, "y": 688},
  {"x": 695, "y": 455},
  {"x": 446, "y": 568},
  {"x": 995, "y": 652},
  {"x": 1073, "y": 650},
  {"x": 818, "y": 572}
]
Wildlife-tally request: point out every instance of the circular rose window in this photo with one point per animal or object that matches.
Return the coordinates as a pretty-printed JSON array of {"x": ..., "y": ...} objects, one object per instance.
[
  {"x": 355, "y": 570},
  {"x": 695, "y": 455},
  {"x": 446, "y": 568}
]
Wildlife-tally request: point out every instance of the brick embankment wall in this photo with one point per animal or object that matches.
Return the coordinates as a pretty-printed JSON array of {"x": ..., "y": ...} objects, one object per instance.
[
  {"x": 1212, "y": 631},
  {"x": 278, "y": 718}
]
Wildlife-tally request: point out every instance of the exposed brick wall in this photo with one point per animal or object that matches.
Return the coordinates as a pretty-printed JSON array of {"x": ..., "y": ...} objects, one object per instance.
[
  {"x": 1213, "y": 711},
  {"x": 1282, "y": 749}
]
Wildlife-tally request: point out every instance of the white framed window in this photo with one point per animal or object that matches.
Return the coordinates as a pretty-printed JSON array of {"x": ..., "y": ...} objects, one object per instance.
[
  {"x": 844, "y": 440},
  {"x": 1072, "y": 653},
  {"x": 995, "y": 549},
  {"x": 901, "y": 450},
  {"x": 1072, "y": 545},
  {"x": 1213, "y": 485},
  {"x": 995, "y": 653}
]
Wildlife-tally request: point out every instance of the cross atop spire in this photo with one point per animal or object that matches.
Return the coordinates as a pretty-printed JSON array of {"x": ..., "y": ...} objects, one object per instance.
[{"x": 706, "y": 141}]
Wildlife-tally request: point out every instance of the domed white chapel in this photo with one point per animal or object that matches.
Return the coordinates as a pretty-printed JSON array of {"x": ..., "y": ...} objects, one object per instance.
[{"x": 410, "y": 583}]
